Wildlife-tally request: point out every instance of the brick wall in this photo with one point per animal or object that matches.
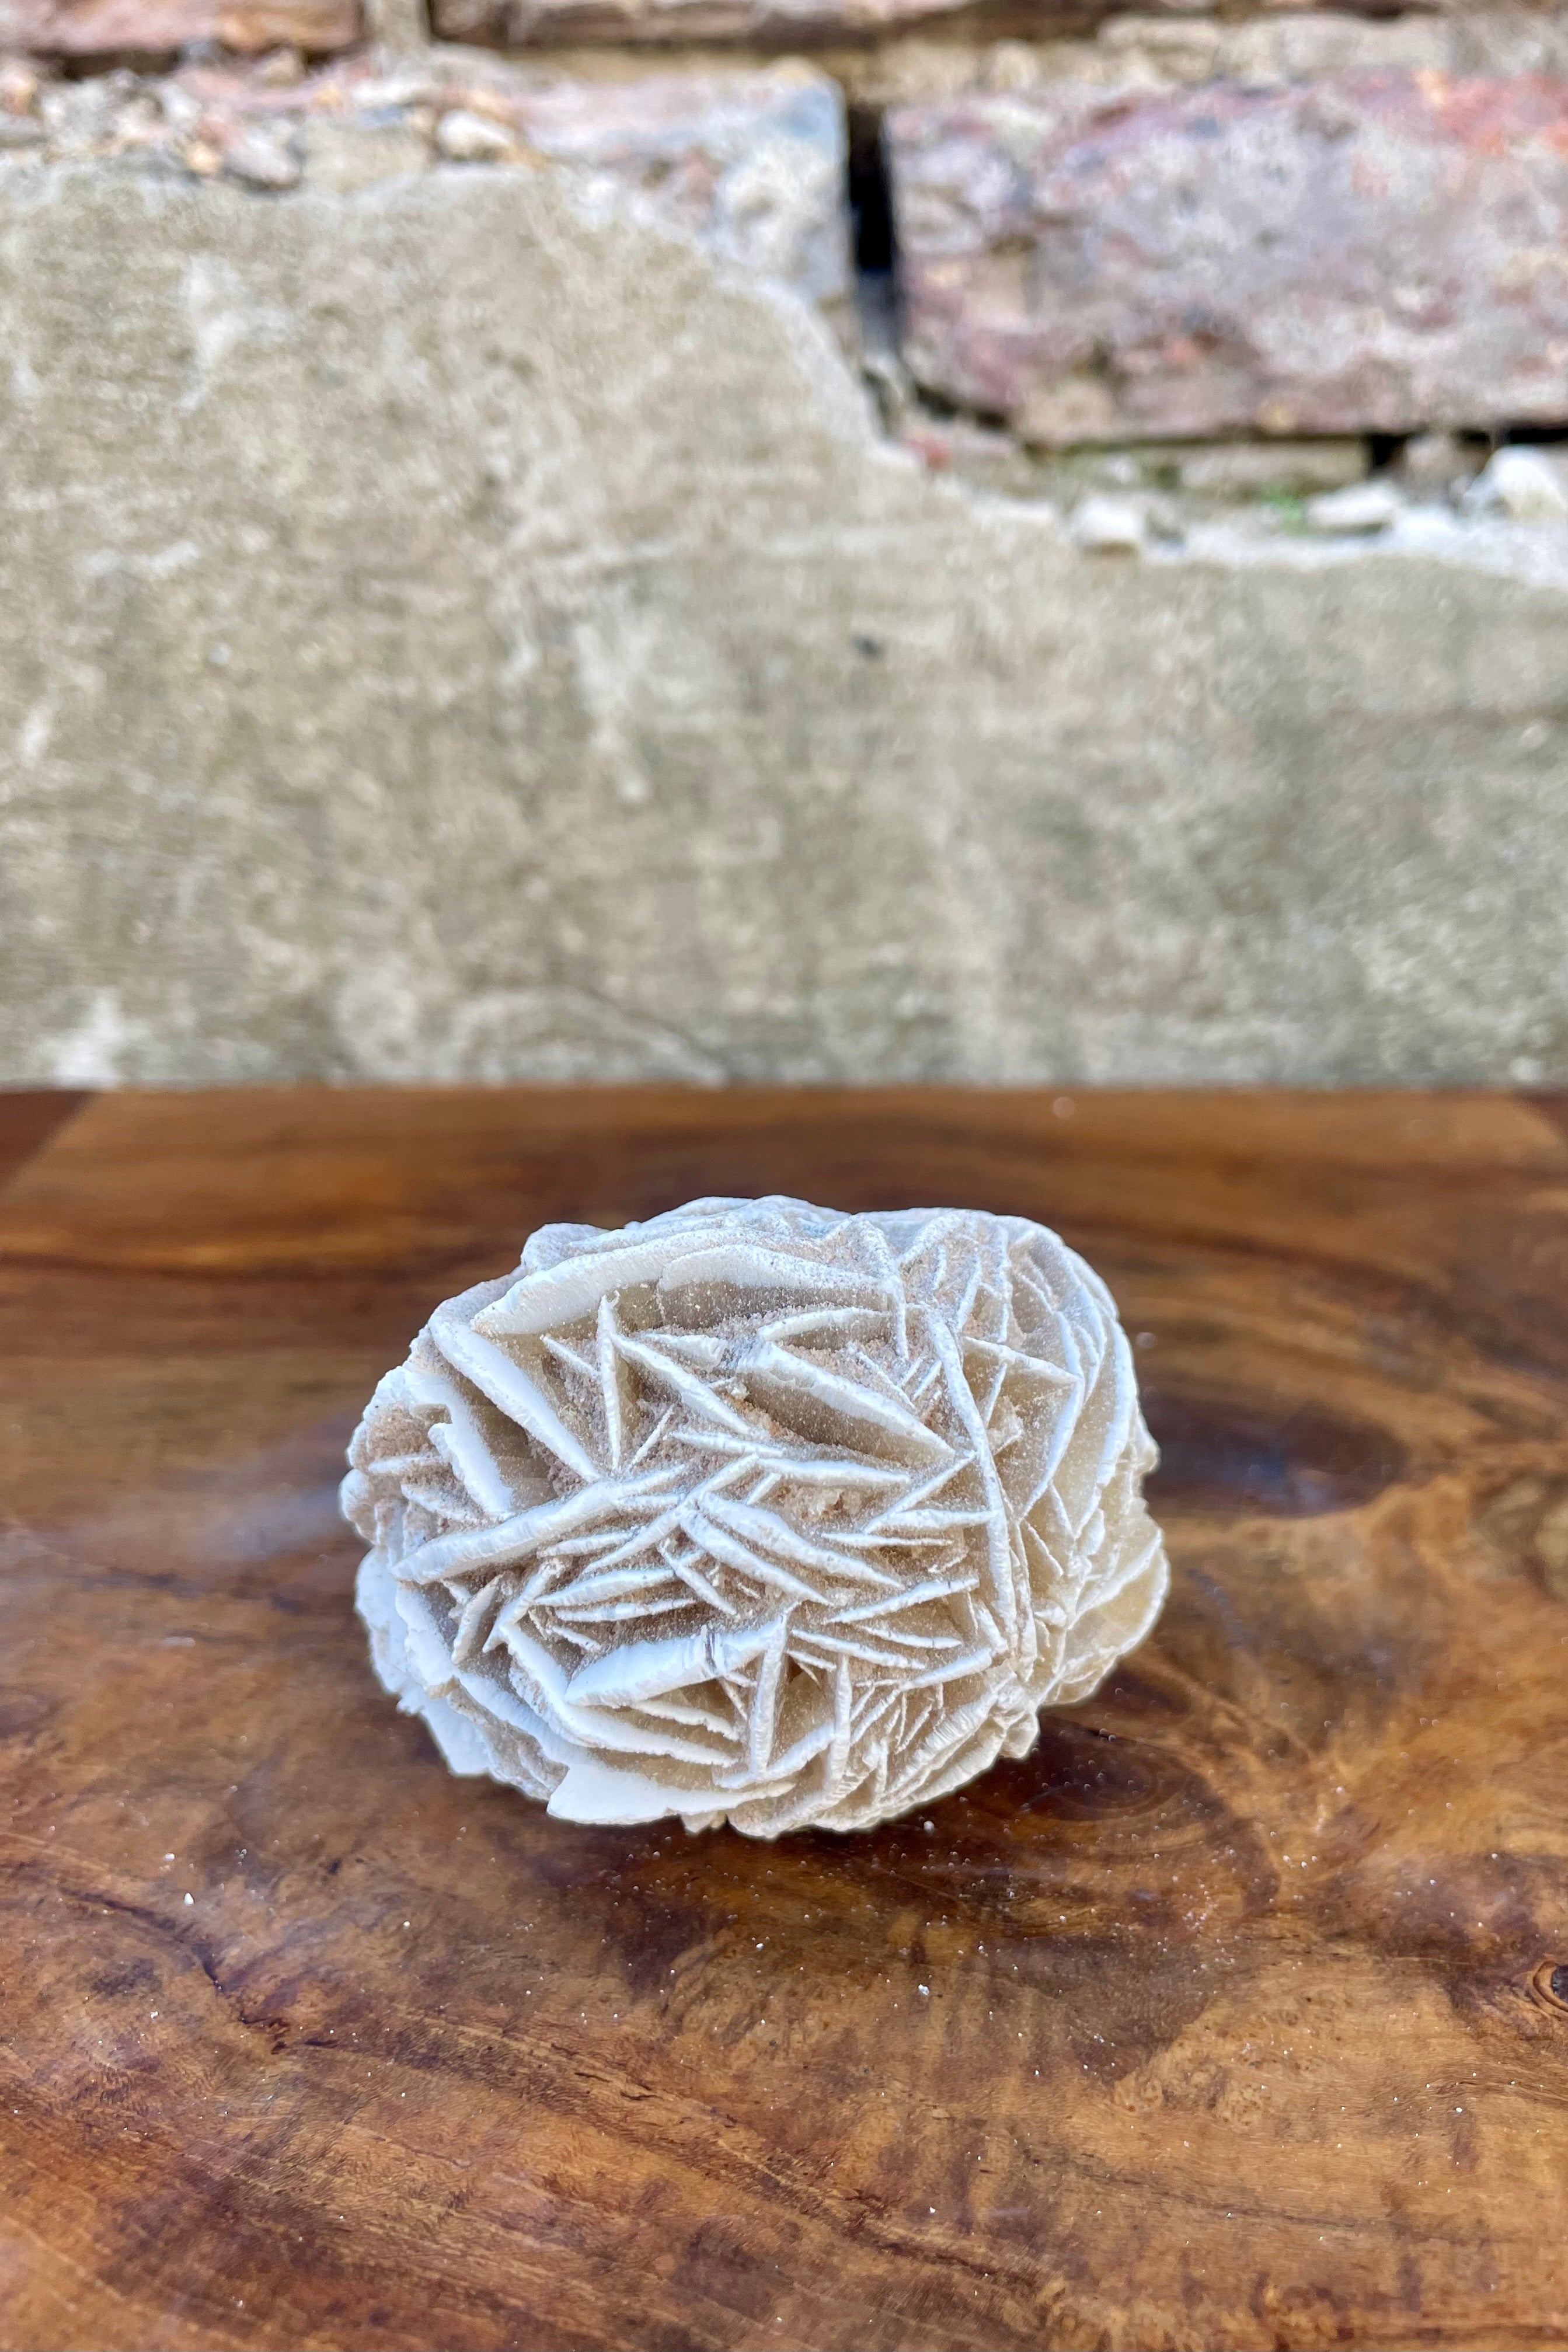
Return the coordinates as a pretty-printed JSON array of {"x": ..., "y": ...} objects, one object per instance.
[{"x": 1080, "y": 232}]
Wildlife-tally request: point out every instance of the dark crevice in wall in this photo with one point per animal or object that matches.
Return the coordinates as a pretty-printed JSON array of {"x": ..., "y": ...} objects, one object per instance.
[
  {"x": 871, "y": 192},
  {"x": 113, "y": 61},
  {"x": 943, "y": 411},
  {"x": 874, "y": 232}
]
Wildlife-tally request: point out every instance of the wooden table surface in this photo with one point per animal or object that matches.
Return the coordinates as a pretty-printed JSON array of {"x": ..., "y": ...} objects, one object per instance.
[{"x": 1235, "y": 2015}]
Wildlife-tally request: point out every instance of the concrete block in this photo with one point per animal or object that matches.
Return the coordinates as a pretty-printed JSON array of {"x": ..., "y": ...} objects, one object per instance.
[{"x": 451, "y": 629}]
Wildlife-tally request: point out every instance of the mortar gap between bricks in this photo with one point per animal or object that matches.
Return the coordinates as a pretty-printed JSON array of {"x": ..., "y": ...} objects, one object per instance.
[{"x": 99, "y": 64}]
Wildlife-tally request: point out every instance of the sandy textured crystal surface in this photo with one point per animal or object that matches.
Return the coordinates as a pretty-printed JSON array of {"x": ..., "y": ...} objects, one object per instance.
[{"x": 757, "y": 1512}]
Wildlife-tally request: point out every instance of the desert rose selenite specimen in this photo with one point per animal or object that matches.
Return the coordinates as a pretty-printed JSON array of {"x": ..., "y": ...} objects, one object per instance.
[{"x": 757, "y": 1512}]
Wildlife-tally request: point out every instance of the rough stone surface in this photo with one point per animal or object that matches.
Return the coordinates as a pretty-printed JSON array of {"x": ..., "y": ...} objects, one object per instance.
[
  {"x": 86, "y": 28},
  {"x": 1378, "y": 253},
  {"x": 1363, "y": 507},
  {"x": 1531, "y": 484},
  {"x": 748, "y": 164},
  {"x": 445, "y": 630},
  {"x": 1110, "y": 526},
  {"x": 1440, "y": 461}
]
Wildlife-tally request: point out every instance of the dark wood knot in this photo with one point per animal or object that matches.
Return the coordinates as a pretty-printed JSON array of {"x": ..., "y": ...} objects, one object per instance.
[{"x": 1550, "y": 1985}]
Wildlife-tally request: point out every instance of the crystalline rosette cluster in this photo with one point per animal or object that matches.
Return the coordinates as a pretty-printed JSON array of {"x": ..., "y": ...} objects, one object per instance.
[{"x": 757, "y": 1512}]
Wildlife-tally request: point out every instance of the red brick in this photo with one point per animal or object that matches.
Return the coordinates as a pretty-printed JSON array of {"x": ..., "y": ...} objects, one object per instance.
[
  {"x": 86, "y": 28},
  {"x": 1386, "y": 253}
]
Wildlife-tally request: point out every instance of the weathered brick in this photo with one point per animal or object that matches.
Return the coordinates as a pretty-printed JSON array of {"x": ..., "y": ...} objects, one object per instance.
[
  {"x": 86, "y": 28},
  {"x": 544, "y": 24},
  {"x": 1380, "y": 253}
]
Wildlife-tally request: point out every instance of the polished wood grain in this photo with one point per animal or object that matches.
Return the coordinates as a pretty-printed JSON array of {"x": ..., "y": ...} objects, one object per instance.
[
  {"x": 1236, "y": 2015},
  {"x": 28, "y": 1117}
]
